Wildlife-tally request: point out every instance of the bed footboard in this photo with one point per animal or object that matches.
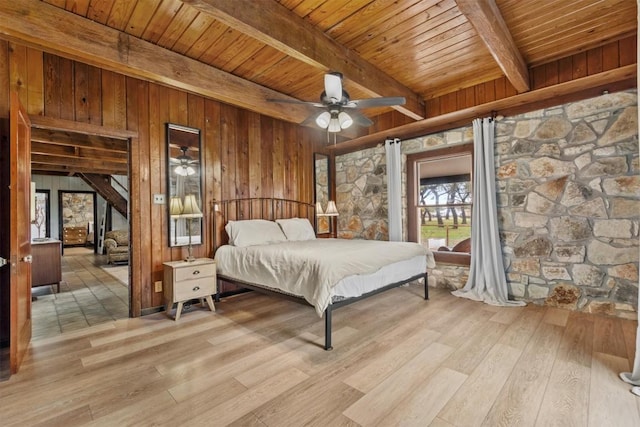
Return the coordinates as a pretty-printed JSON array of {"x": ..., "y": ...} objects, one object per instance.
[{"x": 331, "y": 307}]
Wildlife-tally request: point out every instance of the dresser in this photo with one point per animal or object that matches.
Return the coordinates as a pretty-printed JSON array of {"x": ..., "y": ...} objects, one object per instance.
[
  {"x": 184, "y": 281},
  {"x": 73, "y": 236},
  {"x": 45, "y": 265}
]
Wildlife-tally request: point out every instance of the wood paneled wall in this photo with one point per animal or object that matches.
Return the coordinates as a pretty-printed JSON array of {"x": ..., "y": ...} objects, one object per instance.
[
  {"x": 244, "y": 154},
  {"x": 612, "y": 55}
]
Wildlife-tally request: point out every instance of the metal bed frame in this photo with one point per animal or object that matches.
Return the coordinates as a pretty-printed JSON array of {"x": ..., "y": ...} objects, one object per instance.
[{"x": 280, "y": 209}]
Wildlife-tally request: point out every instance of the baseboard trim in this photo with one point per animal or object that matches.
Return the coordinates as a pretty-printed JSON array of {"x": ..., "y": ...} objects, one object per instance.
[{"x": 151, "y": 310}]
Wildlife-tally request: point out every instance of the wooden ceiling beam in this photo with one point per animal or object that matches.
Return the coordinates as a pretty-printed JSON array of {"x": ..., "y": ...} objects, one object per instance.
[
  {"x": 71, "y": 139},
  {"x": 81, "y": 164},
  {"x": 52, "y": 29},
  {"x": 487, "y": 20},
  {"x": 614, "y": 80},
  {"x": 78, "y": 152},
  {"x": 52, "y": 123},
  {"x": 285, "y": 31},
  {"x": 62, "y": 169}
]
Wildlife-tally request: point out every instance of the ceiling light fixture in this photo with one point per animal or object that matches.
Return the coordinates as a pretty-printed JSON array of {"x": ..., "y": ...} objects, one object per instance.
[
  {"x": 184, "y": 170},
  {"x": 334, "y": 121}
]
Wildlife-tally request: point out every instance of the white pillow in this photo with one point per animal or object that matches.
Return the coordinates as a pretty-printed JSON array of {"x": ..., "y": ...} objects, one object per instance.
[
  {"x": 252, "y": 232},
  {"x": 297, "y": 229}
]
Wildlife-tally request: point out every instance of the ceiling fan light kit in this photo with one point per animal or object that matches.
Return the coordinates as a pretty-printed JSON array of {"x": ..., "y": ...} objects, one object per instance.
[
  {"x": 184, "y": 168},
  {"x": 334, "y": 100},
  {"x": 334, "y": 121}
]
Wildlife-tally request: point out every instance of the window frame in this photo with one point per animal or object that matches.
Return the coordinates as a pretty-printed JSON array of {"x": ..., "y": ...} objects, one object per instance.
[{"x": 413, "y": 161}]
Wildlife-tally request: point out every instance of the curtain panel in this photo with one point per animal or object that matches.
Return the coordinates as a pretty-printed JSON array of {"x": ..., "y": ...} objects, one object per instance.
[
  {"x": 394, "y": 188},
  {"x": 487, "y": 280}
]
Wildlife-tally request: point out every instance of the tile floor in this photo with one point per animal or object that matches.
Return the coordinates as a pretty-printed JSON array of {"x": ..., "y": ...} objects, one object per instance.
[{"x": 91, "y": 292}]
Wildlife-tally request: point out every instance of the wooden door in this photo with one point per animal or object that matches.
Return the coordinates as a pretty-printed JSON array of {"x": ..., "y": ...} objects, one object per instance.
[{"x": 20, "y": 232}]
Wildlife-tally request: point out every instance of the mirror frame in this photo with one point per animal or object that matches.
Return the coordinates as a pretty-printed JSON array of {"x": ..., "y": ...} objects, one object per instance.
[
  {"x": 175, "y": 141},
  {"x": 324, "y": 224}
]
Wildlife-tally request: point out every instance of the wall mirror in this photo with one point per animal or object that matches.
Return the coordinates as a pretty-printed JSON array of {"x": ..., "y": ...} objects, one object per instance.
[
  {"x": 184, "y": 196},
  {"x": 322, "y": 178}
]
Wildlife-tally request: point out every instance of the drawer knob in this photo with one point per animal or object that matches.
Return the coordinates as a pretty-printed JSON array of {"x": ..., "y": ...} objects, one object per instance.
[
  {"x": 196, "y": 288},
  {"x": 195, "y": 272}
]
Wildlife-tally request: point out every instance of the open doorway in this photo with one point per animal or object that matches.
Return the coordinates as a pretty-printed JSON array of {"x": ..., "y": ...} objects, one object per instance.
[{"x": 85, "y": 176}]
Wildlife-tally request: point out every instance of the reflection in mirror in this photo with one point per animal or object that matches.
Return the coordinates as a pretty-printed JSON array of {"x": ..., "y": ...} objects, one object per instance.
[
  {"x": 183, "y": 186},
  {"x": 321, "y": 180}
]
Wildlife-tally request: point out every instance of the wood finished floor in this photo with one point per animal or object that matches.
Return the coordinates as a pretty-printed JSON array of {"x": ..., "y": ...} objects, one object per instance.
[{"x": 398, "y": 360}]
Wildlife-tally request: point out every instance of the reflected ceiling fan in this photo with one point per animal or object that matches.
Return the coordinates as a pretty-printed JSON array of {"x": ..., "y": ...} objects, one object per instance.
[
  {"x": 340, "y": 111},
  {"x": 184, "y": 163}
]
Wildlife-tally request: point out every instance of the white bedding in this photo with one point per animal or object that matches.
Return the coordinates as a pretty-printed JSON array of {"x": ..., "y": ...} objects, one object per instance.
[{"x": 320, "y": 269}]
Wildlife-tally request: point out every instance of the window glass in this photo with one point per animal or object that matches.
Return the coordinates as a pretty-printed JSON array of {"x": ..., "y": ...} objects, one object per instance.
[{"x": 444, "y": 202}]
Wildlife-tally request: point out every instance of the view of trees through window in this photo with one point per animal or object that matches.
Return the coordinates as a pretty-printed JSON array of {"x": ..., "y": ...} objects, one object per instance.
[{"x": 444, "y": 209}]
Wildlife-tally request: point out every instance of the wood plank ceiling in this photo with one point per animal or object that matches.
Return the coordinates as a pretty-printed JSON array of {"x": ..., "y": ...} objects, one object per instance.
[{"x": 246, "y": 51}]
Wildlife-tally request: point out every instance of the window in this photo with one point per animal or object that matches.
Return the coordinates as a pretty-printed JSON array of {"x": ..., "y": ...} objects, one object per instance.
[{"x": 440, "y": 201}]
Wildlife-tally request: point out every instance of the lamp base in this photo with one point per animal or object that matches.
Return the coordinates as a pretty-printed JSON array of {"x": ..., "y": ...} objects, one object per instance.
[{"x": 190, "y": 258}]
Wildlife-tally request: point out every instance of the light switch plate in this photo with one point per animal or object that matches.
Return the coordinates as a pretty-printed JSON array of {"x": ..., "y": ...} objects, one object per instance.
[{"x": 158, "y": 199}]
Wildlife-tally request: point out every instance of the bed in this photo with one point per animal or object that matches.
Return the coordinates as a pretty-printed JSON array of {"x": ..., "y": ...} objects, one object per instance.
[{"x": 269, "y": 245}]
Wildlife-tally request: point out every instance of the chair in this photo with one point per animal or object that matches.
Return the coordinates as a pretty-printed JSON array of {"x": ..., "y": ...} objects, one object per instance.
[{"x": 117, "y": 244}]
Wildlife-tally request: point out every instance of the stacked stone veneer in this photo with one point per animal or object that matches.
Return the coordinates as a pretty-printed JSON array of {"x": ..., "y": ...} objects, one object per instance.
[{"x": 568, "y": 182}]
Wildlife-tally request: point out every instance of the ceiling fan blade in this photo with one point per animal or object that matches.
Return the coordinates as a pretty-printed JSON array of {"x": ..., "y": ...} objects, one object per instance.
[
  {"x": 310, "y": 121},
  {"x": 333, "y": 87},
  {"x": 359, "y": 118},
  {"x": 376, "y": 102},
  {"x": 295, "y": 101}
]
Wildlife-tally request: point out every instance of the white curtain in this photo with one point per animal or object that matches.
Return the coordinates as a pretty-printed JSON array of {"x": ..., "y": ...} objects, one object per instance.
[
  {"x": 487, "y": 281},
  {"x": 633, "y": 378},
  {"x": 394, "y": 188}
]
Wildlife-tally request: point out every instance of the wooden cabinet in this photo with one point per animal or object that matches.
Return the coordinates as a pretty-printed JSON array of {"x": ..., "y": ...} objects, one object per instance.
[
  {"x": 185, "y": 280},
  {"x": 74, "y": 236},
  {"x": 45, "y": 266}
]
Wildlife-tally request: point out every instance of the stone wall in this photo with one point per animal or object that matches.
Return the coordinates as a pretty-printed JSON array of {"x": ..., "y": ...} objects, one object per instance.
[{"x": 568, "y": 181}]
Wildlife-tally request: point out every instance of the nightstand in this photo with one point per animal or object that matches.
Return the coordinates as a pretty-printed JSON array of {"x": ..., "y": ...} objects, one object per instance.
[{"x": 184, "y": 281}]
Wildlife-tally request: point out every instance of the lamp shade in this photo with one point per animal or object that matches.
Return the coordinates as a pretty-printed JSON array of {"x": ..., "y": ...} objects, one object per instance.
[
  {"x": 331, "y": 209},
  {"x": 319, "y": 211},
  {"x": 345, "y": 120},
  {"x": 334, "y": 124},
  {"x": 175, "y": 207},
  {"x": 190, "y": 208},
  {"x": 323, "y": 119}
]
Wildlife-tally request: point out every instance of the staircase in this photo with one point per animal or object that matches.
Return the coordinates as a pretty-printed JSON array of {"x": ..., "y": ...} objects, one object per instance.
[{"x": 102, "y": 185}]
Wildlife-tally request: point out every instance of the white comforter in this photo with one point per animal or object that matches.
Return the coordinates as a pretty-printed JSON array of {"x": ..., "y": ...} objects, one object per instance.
[{"x": 312, "y": 268}]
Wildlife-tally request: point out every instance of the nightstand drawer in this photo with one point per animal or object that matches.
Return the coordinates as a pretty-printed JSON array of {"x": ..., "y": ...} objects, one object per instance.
[
  {"x": 195, "y": 288},
  {"x": 195, "y": 272}
]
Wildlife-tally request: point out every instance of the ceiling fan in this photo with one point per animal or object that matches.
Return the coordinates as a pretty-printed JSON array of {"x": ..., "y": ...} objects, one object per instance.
[
  {"x": 340, "y": 111},
  {"x": 183, "y": 163}
]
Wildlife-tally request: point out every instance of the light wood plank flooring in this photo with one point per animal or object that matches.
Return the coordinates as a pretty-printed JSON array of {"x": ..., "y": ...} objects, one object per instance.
[{"x": 398, "y": 360}]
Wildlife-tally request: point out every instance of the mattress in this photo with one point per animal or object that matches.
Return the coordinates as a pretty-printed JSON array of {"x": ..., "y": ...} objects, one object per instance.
[{"x": 321, "y": 270}]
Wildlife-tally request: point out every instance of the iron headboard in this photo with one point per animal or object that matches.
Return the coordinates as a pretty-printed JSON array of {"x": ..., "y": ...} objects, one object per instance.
[{"x": 268, "y": 208}]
